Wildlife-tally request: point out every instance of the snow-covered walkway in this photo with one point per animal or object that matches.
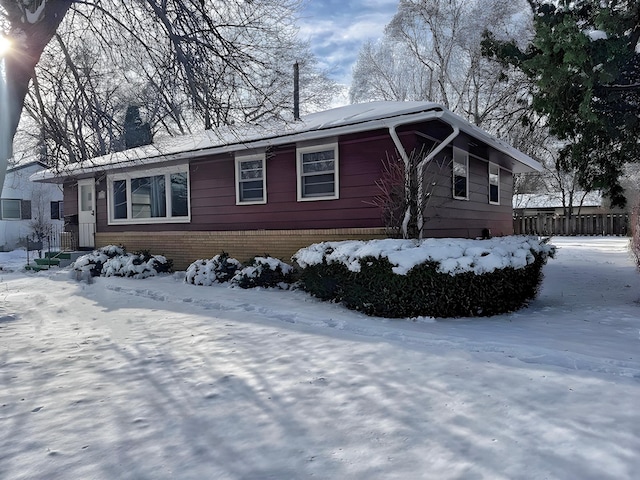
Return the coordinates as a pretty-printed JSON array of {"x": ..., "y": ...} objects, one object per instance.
[{"x": 157, "y": 379}]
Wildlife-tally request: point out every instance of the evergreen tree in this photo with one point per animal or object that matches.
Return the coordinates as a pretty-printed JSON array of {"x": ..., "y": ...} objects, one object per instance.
[{"x": 586, "y": 75}]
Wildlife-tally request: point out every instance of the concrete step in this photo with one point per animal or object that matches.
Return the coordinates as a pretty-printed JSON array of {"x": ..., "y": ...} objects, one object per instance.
[
  {"x": 35, "y": 267},
  {"x": 51, "y": 262}
]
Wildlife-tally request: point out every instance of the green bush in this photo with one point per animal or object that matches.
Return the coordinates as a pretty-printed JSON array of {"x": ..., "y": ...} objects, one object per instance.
[
  {"x": 424, "y": 291},
  {"x": 113, "y": 261},
  {"x": 265, "y": 272}
]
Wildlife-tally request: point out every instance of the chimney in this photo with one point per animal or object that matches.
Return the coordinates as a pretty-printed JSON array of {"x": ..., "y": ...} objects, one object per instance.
[{"x": 296, "y": 92}]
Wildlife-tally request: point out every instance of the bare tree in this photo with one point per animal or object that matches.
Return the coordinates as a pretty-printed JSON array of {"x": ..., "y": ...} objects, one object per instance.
[
  {"x": 189, "y": 65},
  {"x": 432, "y": 51},
  {"x": 406, "y": 190},
  {"x": 31, "y": 25}
]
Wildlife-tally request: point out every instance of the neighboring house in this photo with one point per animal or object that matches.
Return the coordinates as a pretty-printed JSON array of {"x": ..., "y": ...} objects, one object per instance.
[
  {"x": 551, "y": 203},
  {"x": 26, "y": 206},
  {"x": 274, "y": 189},
  {"x": 544, "y": 214}
]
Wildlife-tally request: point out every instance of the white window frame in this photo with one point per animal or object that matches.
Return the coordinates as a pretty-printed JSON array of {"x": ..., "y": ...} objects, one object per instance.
[
  {"x": 239, "y": 159},
  {"x": 495, "y": 175},
  {"x": 167, "y": 172},
  {"x": 336, "y": 176},
  {"x": 2, "y": 202},
  {"x": 460, "y": 157}
]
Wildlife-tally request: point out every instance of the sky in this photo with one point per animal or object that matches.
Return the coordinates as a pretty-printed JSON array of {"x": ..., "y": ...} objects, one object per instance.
[
  {"x": 160, "y": 379},
  {"x": 337, "y": 28}
]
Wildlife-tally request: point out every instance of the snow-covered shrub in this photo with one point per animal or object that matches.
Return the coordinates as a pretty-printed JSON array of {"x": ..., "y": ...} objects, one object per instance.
[
  {"x": 432, "y": 277},
  {"x": 264, "y": 272},
  {"x": 112, "y": 261},
  {"x": 219, "y": 269},
  {"x": 136, "y": 265},
  {"x": 93, "y": 262}
]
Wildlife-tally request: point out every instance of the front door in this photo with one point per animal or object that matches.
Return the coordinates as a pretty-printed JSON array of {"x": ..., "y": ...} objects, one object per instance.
[{"x": 86, "y": 213}]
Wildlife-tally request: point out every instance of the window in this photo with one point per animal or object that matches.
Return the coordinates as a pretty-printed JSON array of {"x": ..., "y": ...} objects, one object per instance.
[
  {"x": 460, "y": 174},
  {"x": 57, "y": 211},
  {"x": 317, "y": 169},
  {"x": 494, "y": 184},
  {"x": 148, "y": 197},
  {"x": 152, "y": 197},
  {"x": 11, "y": 209},
  {"x": 250, "y": 180}
]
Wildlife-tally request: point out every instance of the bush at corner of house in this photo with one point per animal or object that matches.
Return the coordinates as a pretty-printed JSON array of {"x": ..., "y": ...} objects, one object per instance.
[
  {"x": 325, "y": 280},
  {"x": 266, "y": 271},
  {"x": 218, "y": 269},
  {"x": 426, "y": 289}
]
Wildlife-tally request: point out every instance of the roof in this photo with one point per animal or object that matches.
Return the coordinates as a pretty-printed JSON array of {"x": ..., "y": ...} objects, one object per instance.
[
  {"x": 338, "y": 121},
  {"x": 25, "y": 163},
  {"x": 554, "y": 200}
]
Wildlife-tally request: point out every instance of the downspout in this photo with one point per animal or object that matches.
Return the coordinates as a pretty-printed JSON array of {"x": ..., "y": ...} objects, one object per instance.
[{"x": 421, "y": 167}]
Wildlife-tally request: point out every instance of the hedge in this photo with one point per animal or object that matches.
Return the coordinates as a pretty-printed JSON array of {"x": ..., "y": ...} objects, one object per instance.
[{"x": 425, "y": 289}]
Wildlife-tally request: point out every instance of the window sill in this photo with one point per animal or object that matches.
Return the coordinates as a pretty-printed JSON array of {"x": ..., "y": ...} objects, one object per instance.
[
  {"x": 149, "y": 221},
  {"x": 314, "y": 199}
]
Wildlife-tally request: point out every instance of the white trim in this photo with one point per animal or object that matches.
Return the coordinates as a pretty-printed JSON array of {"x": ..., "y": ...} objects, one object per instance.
[
  {"x": 247, "y": 158},
  {"x": 457, "y": 152},
  {"x": 300, "y": 151},
  {"x": 128, "y": 176},
  {"x": 491, "y": 164}
]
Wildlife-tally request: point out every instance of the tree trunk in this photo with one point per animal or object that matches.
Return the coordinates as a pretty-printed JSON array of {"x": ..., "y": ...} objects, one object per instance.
[{"x": 31, "y": 29}]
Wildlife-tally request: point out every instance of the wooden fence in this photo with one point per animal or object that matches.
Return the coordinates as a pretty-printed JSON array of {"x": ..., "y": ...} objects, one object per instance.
[{"x": 549, "y": 224}]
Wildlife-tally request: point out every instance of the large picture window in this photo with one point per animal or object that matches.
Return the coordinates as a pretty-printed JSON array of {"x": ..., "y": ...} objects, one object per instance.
[
  {"x": 494, "y": 184},
  {"x": 317, "y": 169},
  {"x": 251, "y": 186},
  {"x": 150, "y": 197},
  {"x": 460, "y": 174}
]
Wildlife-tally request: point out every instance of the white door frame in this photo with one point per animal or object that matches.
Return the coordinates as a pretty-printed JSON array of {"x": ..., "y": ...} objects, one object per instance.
[{"x": 86, "y": 213}]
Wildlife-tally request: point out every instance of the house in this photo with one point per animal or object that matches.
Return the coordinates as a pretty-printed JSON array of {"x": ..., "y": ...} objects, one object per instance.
[
  {"x": 26, "y": 206},
  {"x": 544, "y": 214},
  {"x": 275, "y": 188}
]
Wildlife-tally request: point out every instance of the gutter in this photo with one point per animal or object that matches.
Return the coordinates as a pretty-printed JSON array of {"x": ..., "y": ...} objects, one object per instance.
[{"x": 421, "y": 166}]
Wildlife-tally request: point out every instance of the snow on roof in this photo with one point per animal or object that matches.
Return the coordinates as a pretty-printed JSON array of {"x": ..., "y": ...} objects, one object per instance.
[
  {"x": 18, "y": 162},
  {"x": 554, "y": 199},
  {"x": 337, "y": 121}
]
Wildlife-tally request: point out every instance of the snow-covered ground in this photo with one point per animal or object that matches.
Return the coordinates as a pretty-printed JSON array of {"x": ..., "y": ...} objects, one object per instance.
[{"x": 158, "y": 379}]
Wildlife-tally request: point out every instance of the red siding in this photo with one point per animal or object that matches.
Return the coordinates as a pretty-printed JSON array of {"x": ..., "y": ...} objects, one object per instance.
[
  {"x": 449, "y": 217},
  {"x": 70, "y": 197},
  {"x": 361, "y": 156}
]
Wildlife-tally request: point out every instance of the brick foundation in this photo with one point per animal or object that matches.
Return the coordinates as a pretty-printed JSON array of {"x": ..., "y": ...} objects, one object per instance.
[{"x": 185, "y": 247}]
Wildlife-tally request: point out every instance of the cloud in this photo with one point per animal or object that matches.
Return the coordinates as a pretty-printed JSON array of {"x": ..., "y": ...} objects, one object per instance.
[{"x": 336, "y": 30}]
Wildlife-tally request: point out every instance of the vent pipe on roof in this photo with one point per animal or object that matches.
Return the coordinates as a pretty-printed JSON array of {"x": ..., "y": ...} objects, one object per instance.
[{"x": 296, "y": 92}]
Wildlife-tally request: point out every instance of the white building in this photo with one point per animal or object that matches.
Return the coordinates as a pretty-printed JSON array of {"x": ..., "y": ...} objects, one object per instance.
[{"x": 27, "y": 206}]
